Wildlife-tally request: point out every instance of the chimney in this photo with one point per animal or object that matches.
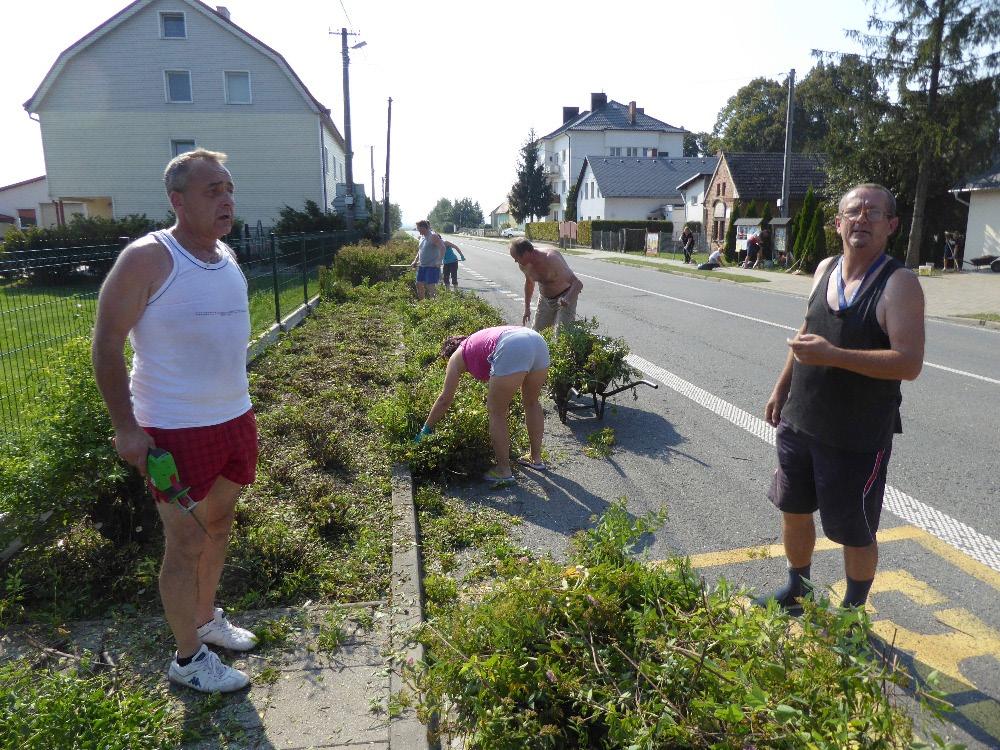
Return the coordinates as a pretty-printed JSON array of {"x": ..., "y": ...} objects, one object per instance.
[
  {"x": 597, "y": 101},
  {"x": 631, "y": 113},
  {"x": 223, "y": 11},
  {"x": 569, "y": 113}
]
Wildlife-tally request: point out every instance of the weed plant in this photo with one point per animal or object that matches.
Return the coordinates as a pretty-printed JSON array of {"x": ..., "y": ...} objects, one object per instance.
[
  {"x": 609, "y": 652},
  {"x": 41, "y": 709},
  {"x": 365, "y": 263}
]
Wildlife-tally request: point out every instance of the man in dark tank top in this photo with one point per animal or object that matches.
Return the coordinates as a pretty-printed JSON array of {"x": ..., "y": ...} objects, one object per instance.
[{"x": 836, "y": 402}]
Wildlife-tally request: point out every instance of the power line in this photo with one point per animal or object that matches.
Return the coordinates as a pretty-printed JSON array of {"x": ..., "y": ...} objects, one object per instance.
[{"x": 349, "y": 22}]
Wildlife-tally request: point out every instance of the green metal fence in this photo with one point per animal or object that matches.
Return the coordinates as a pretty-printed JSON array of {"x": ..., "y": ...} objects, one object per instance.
[{"x": 50, "y": 296}]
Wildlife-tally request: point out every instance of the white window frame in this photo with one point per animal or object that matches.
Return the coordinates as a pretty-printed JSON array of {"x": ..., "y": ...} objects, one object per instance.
[
  {"x": 615, "y": 151},
  {"x": 175, "y": 141},
  {"x": 161, "y": 29},
  {"x": 225, "y": 87},
  {"x": 166, "y": 86},
  {"x": 631, "y": 152}
]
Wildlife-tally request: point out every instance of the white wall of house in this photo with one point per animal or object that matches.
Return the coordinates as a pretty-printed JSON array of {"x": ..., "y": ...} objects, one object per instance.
[
  {"x": 589, "y": 200},
  {"x": 107, "y": 129},
  {"x": 982, "y": 235},
  {"x": 333, "y": 166},
  {"x": 636, "y": 209},
  {"x": 26, "y": 198},
  {"x": 694, "y": 199}
]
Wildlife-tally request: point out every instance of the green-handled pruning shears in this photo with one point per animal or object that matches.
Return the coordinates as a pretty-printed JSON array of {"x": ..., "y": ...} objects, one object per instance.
[{"x": 163, "y": 474}]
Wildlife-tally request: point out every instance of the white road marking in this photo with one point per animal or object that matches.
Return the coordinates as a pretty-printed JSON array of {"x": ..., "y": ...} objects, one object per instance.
[
  {"x": 962, "y": 537},
  {"x": 780, "y": 326}
]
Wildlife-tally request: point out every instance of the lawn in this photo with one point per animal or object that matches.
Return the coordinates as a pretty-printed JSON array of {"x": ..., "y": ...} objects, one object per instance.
[{"x": 682, "y": 271}]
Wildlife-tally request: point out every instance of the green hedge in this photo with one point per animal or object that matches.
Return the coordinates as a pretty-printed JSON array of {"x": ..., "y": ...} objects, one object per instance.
[
  {"x": 542, "y": 230},
  {"x": 364, "y": 261},
  {"x": 611, "y": 225},
  {"x": 583, "y": 233}
]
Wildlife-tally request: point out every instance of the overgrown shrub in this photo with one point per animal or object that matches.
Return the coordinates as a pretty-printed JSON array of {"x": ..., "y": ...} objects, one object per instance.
[
  {"x": 583, "y": 232},
  {"x": 81, "y": 232},
  {"x": 63, "y": 460},
  {"x": 584, "y": 360},
  {"x": 367, "y": 263},
  {"x": 43, "y": 708},
  {"x": 608, "y": 652}
]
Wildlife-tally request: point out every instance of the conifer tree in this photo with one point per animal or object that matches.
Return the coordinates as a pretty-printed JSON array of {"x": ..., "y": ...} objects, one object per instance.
[
  {"x": 814, "y": 244},
  {"x": 751, "y": 212},
  {"x": 531, "y": 195},
  {"x": 803, "y": 222}
]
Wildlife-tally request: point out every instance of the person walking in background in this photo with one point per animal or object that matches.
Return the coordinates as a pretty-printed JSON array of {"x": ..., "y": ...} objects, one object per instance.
[
  {"x": 836, "y": 402},
  {"x": 180, "y": 299},
  {"x": 452, "y": 254},
  {"x": 687, "y": 243},
  {"x": 509, "y": 358},
  {"x": 427, "y": 261},
  {"x": 558, "y": 286}
]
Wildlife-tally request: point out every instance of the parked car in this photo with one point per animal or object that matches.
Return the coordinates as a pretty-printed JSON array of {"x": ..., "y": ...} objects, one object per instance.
[{"x": 511, "y": 232}]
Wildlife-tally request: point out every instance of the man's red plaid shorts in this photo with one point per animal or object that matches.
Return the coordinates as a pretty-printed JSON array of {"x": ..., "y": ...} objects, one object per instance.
[{"x": 203, "y": 454}]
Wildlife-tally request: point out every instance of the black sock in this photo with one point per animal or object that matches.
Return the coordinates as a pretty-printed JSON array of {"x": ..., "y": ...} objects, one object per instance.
[
  {"x": 857, "y": 592},
  {"x": 186, "y": 660},
  {"x": 794, "y": 589}
]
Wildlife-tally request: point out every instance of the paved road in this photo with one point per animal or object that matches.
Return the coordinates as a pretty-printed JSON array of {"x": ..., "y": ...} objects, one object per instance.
[{"x": 698, "y": 447}]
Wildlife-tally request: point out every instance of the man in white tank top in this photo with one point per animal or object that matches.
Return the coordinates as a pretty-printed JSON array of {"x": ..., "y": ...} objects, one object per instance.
[{"x": 181, "y": 299}]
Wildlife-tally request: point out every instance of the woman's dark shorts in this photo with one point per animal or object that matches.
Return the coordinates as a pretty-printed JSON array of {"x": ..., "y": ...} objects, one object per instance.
[
  {"x": 451, "y": 272},
  {"x": 845, "y": 486}
]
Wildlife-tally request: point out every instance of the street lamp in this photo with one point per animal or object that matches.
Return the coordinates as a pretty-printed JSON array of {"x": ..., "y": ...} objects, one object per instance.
[{"x": 349, "y": 156}]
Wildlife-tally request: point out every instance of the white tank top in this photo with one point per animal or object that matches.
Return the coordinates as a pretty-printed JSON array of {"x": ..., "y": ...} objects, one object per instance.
[{"x": 190, "y": 363}]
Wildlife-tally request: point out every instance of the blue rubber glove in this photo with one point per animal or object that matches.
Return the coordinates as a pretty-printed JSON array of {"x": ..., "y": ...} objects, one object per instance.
[{"x": 424, "y": 432}]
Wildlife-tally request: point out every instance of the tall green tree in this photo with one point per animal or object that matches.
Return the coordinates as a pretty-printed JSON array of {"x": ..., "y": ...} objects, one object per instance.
[
  {"x": 395, "y": 215},
  {"x": 802, "y": 223},
  {"x": 753, "y": 119},
  {"x": 441, "y": 214},
  {"x": 931, "y": 48},
  {"x": 698, "y": 144},
  {"x": 467, "y": 213},
  {"x": 531, "y": 195}
]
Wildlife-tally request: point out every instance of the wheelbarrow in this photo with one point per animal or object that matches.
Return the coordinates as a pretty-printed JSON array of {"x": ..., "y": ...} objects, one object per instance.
[{"x": 599, "y": 399}]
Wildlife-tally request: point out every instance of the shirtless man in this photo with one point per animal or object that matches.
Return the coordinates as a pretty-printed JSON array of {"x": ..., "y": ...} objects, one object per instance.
[{"x": 558, "y": 287}]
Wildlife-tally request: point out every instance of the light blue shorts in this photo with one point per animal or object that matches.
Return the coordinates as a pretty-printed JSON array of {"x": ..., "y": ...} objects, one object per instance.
[{"x": 523, "y": 350}]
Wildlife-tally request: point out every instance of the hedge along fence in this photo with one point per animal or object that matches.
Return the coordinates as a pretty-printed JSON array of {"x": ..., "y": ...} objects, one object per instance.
[
  {"x": 48, "y": 296},
  {"x": 547, "y": 231},
  {"x": 583, "y": 232}
]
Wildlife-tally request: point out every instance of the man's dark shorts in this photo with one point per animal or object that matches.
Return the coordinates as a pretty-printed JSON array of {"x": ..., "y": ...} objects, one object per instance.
[{"x": 845, "y": 486}]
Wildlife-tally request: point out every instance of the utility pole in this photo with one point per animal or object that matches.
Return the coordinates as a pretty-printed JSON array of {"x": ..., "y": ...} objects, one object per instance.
[
  {"x": 786, "y": 175},
  {"x": 372, "y": 155},
  {"x": 349, "y": 156},
  {"x": 385, "y": 201}
]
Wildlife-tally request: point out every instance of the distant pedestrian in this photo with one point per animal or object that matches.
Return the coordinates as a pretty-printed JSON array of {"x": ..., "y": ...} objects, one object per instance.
[
  {"x": 949, "y": 258},
  {"x": 558, "y": 286},
  {"x": 509, "y": 358},
  {"x": 753, "y": 251},
  {"x": 428, "y": 260},
  {"x": 836, "y": 402},
  {"x": 452, "y": 254},
  {"x": 687, "y": 243}
]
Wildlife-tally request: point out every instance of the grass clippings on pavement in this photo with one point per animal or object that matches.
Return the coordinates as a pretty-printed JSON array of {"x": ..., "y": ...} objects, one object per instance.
[{"x": 985, "y": 316}]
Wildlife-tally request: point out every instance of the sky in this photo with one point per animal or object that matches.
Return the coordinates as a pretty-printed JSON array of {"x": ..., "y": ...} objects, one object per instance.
[{"x": 469, "y": 80}]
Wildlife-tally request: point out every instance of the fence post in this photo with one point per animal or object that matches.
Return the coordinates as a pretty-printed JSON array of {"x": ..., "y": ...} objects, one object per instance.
[
  {"x": 274, "y": 278},
  {"x": 305, "y": 275}
]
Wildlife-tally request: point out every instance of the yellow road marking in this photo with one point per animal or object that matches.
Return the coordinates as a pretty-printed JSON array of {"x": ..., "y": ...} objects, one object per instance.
[{"x": 969, "y": 637}]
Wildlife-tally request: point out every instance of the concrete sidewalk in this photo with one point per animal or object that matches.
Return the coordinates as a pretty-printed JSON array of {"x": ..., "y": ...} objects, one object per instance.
[{"x": 948, "y": 295}]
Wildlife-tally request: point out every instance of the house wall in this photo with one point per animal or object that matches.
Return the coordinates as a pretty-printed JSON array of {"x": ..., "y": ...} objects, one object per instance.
[
  {"x": 982, "y": 233},
  {"x": 590, "y": 208},
  {"x": 636, "y": 209},
  {"x": 333, "y": 166},
  {"x": 107, "y": 128},
  {"x": 29, "y": 196}
]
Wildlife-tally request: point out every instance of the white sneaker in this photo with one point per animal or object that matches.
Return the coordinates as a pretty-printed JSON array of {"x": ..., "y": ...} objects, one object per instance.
[
  {"x": 207, "y": 673},
  {"x": 220, "y": 632}
]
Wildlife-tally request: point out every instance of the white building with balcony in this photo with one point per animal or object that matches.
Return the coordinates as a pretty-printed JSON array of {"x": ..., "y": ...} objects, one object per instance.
[{"x": 610, "y": 129}]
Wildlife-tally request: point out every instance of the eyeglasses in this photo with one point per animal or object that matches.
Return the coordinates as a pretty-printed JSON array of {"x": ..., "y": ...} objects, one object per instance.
[{"x": 873, "y": 214}]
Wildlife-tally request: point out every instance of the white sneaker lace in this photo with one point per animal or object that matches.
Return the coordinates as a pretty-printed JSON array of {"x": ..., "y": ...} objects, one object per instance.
[{"x": 215, "y": 666}]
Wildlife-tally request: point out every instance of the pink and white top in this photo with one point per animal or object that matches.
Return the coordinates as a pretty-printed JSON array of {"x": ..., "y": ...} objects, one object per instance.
[{"x": 479, "y": 347}]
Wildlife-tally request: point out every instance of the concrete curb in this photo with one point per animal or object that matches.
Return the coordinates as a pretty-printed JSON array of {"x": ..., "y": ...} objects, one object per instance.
[
  {"x": 406, "y": 609},
  {"x": 260, "y": 345},
  {"x": 974, "y": 322}
]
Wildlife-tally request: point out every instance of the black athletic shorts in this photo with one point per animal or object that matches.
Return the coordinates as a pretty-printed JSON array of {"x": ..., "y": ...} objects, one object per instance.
[{"x": 845, "y": 486}]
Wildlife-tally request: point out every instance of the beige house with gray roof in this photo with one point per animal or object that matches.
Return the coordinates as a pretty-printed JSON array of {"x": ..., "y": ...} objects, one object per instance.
[{"x": 162, "y": 77}]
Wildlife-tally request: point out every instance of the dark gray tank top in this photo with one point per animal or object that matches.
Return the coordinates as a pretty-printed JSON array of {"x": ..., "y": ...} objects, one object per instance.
[{"x": 836, "y": 406}]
